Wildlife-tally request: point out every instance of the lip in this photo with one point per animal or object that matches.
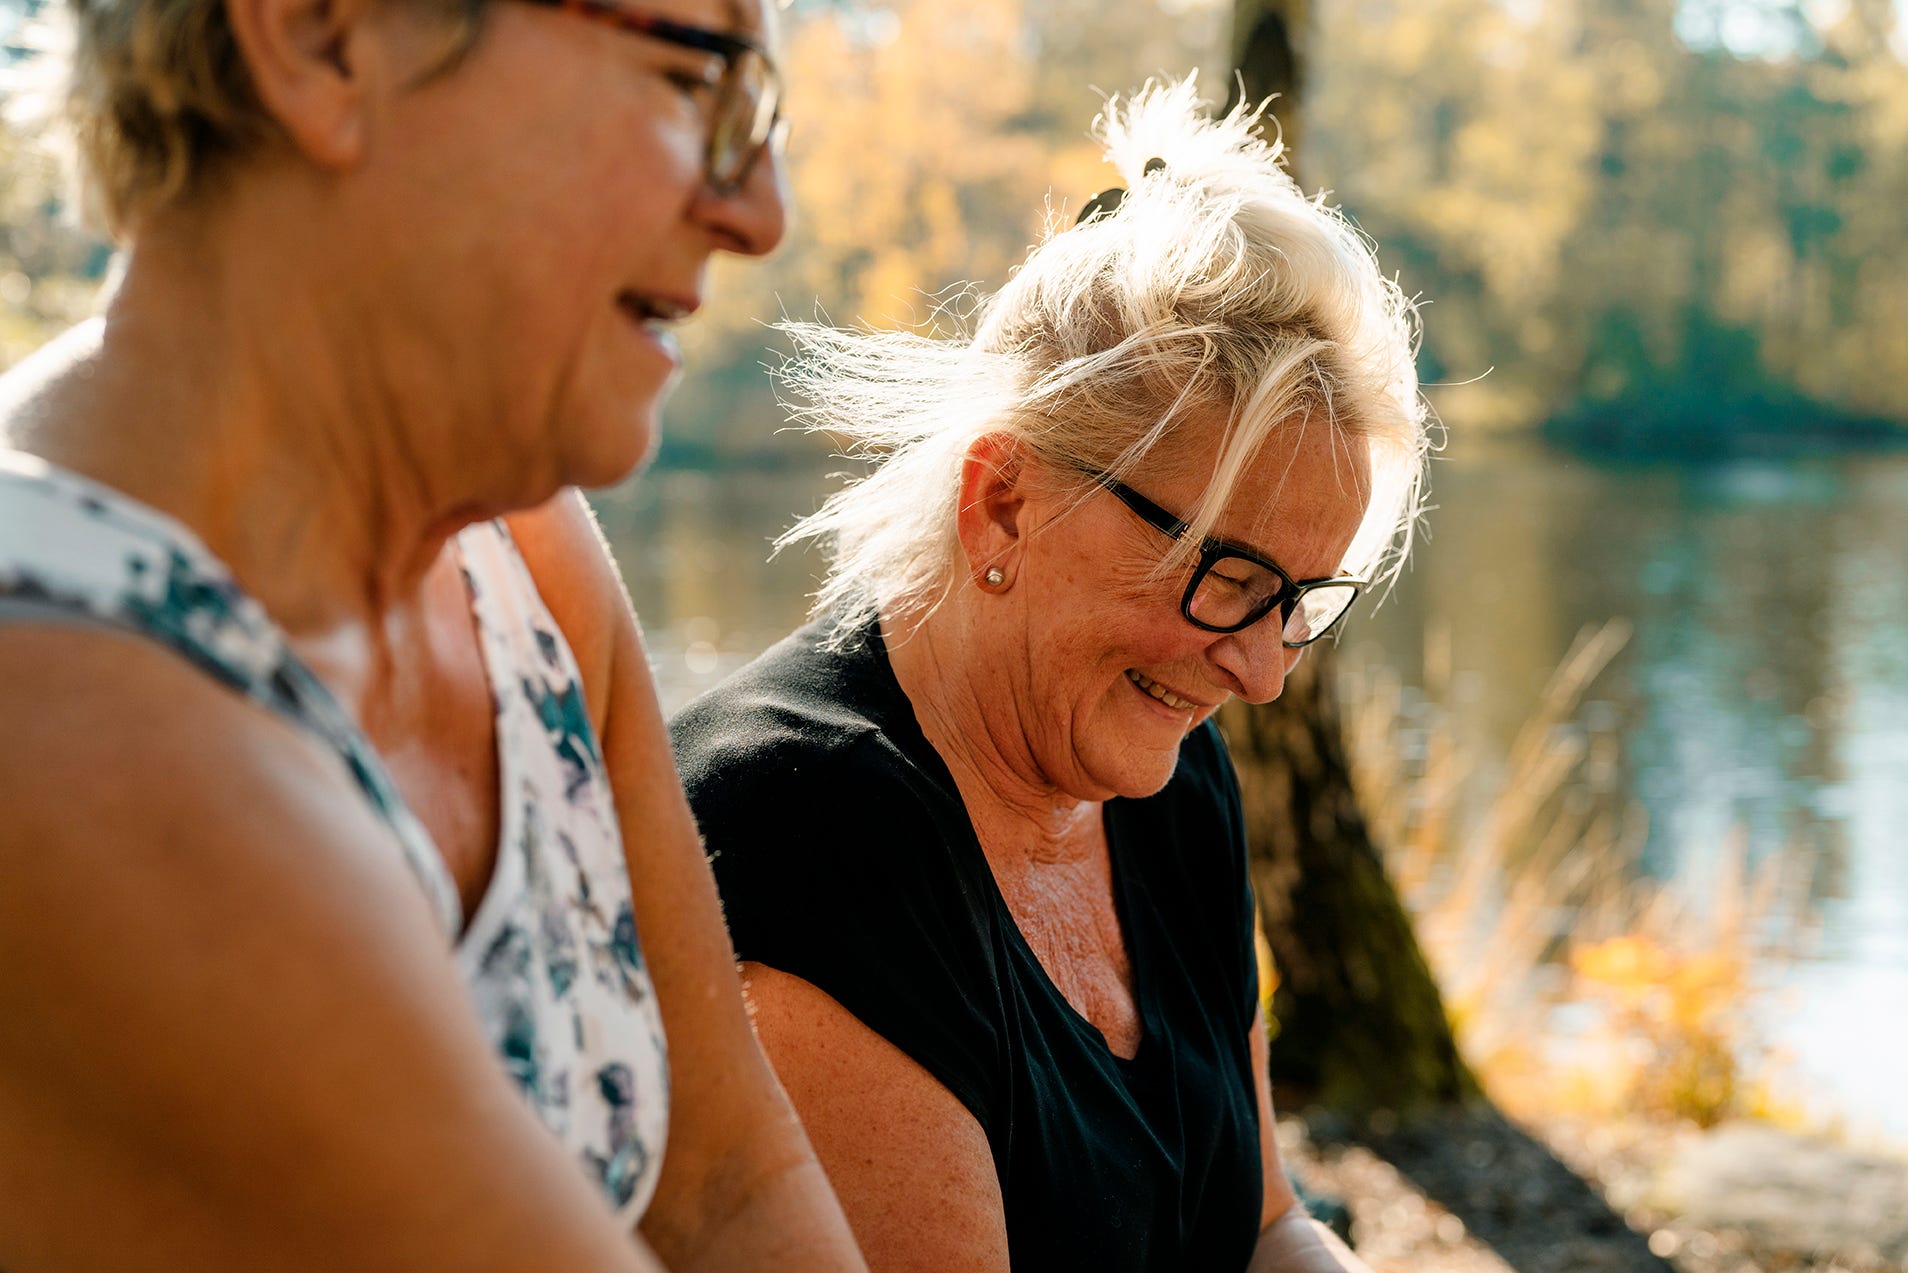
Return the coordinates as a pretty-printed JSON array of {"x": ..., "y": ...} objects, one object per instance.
[
  {"x": 652, "y": 308},
  {"x": 655, "y": 315},
  {"x": 677, "y": 307},
  {"x": 1191, "y": 706}
]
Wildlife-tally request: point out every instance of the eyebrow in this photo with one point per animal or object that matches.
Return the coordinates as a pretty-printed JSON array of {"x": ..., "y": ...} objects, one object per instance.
[
  {"x": 1181, "y": 528},
  {"x": 1233, "y": 547},
  {"x": 1211, "y": 542}
]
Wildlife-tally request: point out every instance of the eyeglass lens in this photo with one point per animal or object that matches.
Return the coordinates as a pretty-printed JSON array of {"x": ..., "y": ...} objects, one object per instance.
[
  {"x": 1317, "y": 610},
  {"x": 745, "y": 120},
  {"x": 1233, "y": 591}
]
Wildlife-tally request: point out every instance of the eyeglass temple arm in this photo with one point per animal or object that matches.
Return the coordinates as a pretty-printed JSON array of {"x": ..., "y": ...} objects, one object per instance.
[{"x": 1151, "y": 513}]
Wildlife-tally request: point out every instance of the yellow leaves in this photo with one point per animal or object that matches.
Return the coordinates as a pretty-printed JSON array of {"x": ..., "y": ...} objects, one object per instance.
[
  {"x": 1679, "y": 1000},
  {"x": 906, "y": 174},
  {"x": 1629, "y": 78},
  {"x": 1674, "y": 1032},
  {"x": 1268, "y": 970},
  {"x": 890, "y": 281},
  {"x": 927, "y": 139},
  {"x": 1079, "y": 173},
  {"x": 1622, "y": 963},
  {"x": 1572, "y": 982}
]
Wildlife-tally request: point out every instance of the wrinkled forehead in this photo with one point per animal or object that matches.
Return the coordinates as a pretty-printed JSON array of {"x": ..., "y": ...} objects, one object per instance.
[
  {"x": 1313, "y": 474},
  {"x": 758, "y": 20},
  {"x": 1306, "y": 459}
]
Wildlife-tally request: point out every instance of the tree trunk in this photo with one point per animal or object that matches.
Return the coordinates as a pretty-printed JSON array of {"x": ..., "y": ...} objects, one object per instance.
[
  {"x": 1268, "y": 37},
  {"x": 1360, "y": 1024}
]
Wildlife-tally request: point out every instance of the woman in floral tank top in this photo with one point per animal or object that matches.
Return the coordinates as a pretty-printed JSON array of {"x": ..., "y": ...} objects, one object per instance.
[{"x": 350, "y": 914}]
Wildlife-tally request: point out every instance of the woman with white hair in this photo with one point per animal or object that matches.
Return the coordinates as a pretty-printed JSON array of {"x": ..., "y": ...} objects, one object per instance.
[{"x": 979, "y": 843}]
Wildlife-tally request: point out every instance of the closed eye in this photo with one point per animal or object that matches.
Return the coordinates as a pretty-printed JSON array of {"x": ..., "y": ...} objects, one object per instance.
[{"x": 698, "y": 79}]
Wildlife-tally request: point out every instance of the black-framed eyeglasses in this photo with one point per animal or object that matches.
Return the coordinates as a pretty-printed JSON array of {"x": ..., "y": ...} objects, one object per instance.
[
  {"x": 1233, "y": 588},
  {"x": 748, "y": 114}
]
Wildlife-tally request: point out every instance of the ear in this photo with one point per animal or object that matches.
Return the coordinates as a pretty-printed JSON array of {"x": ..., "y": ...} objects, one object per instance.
[
  {"x": 991, "y": 518},
  {"x": 307, "y": 63}
]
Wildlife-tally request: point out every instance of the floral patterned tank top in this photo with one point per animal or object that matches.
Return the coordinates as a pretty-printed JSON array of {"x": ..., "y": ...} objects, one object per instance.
[{"x": 550, "y": 956}]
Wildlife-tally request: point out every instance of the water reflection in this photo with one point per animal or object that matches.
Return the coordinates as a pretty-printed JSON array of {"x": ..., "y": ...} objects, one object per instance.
[
  {"x": 694, "y": 549},
  {"x": 1764, "y": 694}
]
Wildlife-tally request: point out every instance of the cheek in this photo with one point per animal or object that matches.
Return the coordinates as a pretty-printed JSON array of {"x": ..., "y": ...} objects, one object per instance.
[
  {"x": 625, "y": 176},
  {"x": 1103, "y": 605},
  {"x": 1098, "y": 642},
  {"x": 1140, "y": 607},
  {"x": 650, "y": 154}
]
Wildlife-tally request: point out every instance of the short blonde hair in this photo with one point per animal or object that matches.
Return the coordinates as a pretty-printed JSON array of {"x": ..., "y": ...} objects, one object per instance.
[
  {"x": 1216, "y": 295},
  {"x": 156, "y": 94}
]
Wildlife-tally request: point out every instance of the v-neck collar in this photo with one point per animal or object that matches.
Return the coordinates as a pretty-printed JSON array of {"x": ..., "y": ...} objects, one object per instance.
[{"x": 899, "y": 722}]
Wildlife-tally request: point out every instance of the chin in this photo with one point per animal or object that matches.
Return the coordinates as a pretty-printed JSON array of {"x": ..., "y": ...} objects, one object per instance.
[
  {"x": 1137, "y": 777},
  {"x": 1153, "y": 783},
  {"x": 613, "y": 451}
]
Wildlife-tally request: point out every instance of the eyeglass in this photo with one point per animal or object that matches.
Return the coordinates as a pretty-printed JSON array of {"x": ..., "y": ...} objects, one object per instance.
[
  {"x": 1233, "y": 588},
  {"x": 748, "y": 114}
]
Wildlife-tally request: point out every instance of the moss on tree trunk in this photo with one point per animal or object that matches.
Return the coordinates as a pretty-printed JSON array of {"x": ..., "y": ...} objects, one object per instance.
[{"x": 1360, "y": 1024}]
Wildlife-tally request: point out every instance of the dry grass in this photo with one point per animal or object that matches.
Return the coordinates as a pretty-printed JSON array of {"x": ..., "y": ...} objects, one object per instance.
[{"x": 1574, "y": 983}]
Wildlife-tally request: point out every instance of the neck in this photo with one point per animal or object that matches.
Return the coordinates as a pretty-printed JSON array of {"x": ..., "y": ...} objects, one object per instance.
[
  {"x": 969, "y": 711},
  {"x": 214, "y": 389}
]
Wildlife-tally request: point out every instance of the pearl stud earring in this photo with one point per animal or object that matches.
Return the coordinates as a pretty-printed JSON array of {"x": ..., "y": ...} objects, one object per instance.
[{"x": 995, "y": 577}]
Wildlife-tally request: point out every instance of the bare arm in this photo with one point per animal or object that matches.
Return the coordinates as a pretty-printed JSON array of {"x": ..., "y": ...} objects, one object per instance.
[
  {"x": 232, "y": 1035},
  {"x": 911, "y": 1164},
  {"x": 740, "y": 1186},
  {"x": 1290, "y": 1241}
]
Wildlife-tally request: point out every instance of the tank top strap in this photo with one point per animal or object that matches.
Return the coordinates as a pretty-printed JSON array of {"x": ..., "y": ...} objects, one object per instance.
[
  {"x": 552, "y": 951},
  {"x": 75, "y": 551}
]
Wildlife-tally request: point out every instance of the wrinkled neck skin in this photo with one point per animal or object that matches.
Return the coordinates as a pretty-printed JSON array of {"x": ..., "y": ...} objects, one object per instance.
[
  {"x": 235, "y": 383},
  {"x": 959, "y": 673}
]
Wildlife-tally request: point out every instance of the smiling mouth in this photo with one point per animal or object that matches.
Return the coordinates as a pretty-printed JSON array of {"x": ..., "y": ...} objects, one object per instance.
[
  {"x": 1161, "y": 693},
  {"x": 660, "y": 312}
]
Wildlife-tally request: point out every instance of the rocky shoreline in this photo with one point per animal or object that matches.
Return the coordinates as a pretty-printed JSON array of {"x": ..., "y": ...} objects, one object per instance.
[{"x": 1471, "y": 1192}]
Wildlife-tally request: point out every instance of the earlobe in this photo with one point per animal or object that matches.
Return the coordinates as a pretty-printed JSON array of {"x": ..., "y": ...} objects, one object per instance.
[
  {"x": 305, "y": 60},
  {"x": 990, "y": 519}
]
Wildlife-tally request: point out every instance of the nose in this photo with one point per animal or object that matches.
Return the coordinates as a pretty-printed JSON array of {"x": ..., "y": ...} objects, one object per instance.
[
  {"x": 1256, "y": 661},
  {"x": 751, "y": 219}
]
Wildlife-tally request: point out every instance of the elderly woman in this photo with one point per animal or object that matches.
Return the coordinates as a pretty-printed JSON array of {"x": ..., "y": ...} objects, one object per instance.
[
  {"x": 350, "y": 914},
  {"x": 978, "y": 840}
]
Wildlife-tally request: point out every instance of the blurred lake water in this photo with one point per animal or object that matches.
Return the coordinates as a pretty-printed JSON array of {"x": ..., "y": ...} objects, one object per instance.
[{"x": 1763, "y": 695}]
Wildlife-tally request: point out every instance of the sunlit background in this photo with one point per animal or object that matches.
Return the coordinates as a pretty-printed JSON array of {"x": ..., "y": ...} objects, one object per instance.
[{"x": 1662, "y": 253}]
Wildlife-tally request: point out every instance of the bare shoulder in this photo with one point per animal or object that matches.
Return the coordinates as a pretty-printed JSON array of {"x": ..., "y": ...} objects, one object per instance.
[
  {"x": 227, "y": 1012},
  {"x": 737, "y": 1173},
  {"x": 578, "y": 580},
  {"x": 570, "y": 562},
  {"x": 31, "y": 389},
  {"x": 114, "y": 742},
  {"x": 908, "y": 1160}
]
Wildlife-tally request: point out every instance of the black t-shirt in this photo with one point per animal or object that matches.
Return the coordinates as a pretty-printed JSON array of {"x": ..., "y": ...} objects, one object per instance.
[{"x": 846, "y": 858}]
